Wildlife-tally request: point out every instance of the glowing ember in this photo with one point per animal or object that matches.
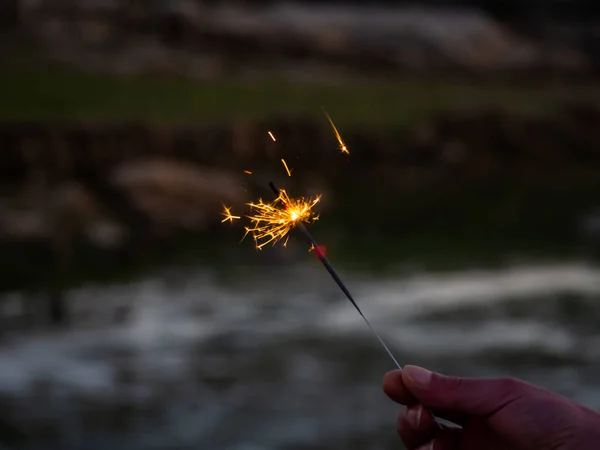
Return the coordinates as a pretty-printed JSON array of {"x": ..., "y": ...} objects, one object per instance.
[
  {"x": 342, "y": 144},
  {"x": 228, "y": 216}
]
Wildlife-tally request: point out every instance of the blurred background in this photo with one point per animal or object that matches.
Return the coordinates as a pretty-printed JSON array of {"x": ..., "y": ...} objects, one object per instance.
[{"x": 466, "y": 219}]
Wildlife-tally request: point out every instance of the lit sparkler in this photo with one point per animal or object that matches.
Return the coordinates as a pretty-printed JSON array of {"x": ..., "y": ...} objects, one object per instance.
[{"x": 272, "y": 222}]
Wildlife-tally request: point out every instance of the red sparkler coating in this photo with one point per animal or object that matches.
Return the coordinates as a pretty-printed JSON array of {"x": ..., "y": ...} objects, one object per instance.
[{"x": 320, "y": 251}]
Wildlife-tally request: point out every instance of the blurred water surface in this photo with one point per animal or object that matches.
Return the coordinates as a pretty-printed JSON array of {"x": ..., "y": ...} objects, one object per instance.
[{"x": 278, "y": 359}]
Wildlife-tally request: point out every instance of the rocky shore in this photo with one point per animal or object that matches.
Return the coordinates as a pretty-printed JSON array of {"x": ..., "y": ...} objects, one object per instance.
[{"x": 176, "y": 177}]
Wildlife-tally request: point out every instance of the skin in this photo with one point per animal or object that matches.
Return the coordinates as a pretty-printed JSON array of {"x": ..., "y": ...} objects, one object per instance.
[{"x": 495, "y": 414}]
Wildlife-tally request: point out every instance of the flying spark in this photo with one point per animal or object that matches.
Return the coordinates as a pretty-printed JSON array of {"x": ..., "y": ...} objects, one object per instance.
[
  {"x": 289, "y": 172},
  {"x": 228, "y": 216},
  {"x": 271, "y": 222},
  {"x": 248, "y": 172},
  {"x": 272, "y": 136},
  {"x": 343, "y": 147}
]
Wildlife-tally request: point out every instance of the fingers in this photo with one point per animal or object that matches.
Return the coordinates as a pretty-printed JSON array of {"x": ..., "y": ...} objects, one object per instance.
[
  {"x": 416, "y": 427},
  {"x": 395, "y": 388},
  {"x": 462, "y": 396},
  {"x": 519, "y": 413}
]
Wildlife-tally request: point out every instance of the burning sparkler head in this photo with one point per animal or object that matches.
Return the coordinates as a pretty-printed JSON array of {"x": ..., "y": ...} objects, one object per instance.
[{"x": 271, "y": 222}]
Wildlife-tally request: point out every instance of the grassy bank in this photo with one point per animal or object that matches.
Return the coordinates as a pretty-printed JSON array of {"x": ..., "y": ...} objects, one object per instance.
[{"x": 55, "y": 94}]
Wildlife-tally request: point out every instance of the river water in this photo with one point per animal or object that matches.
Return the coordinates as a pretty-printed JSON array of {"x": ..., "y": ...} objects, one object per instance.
[{"x": 276, "y": 359}]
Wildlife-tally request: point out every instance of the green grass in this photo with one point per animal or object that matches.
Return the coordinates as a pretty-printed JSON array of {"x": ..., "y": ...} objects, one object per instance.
[{"x": 56, "y": 94}]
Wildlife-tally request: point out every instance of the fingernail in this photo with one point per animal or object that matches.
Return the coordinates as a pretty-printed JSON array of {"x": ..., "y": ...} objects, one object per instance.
[
  {"x": 418, "y": 375},
  {"x": 413, "y": 416}
]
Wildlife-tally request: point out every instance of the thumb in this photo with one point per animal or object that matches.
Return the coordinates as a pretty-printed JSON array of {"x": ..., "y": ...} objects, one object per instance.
[{"x": 465, "y": 396}]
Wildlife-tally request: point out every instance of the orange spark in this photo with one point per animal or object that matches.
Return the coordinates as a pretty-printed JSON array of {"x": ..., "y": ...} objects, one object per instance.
[
  {"x": 228, "y": 216},
  {"x": 272, "y": 137},
  {"x": 289, "y": 172},
  {"x": 342, "y": 144}
]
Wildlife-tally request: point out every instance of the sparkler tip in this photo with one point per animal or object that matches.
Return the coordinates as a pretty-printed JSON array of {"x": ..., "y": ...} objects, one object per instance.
[{"x": 271, "y": 222}]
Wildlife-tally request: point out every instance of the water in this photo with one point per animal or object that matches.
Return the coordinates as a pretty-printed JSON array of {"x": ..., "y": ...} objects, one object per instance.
[{"x": 280, "y": 359}]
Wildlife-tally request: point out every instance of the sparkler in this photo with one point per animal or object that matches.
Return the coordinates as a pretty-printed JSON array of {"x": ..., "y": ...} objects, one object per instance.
[{"x": 272, "y": 222}]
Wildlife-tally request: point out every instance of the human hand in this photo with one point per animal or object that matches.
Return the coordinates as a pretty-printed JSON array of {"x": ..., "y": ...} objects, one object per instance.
[{"x": 495, "y": 414}]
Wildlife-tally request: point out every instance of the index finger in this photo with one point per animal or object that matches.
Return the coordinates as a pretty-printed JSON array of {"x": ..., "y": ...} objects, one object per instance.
[{"x": 394, "y": 388}]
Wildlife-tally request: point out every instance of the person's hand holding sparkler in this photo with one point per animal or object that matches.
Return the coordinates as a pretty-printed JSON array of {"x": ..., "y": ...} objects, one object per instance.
[{"x": 495, "y": 414}]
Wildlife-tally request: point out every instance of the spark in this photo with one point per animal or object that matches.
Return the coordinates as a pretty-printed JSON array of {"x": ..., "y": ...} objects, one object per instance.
[
  {"x": 272, "y": 136},
  {"x": 228, "y": 216},
  {"x": 289, "y": 172},
  {"x": 271, "y": 222},
  {"x": 248, "y": 172},
  {"x": 343, "y": 147}
]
